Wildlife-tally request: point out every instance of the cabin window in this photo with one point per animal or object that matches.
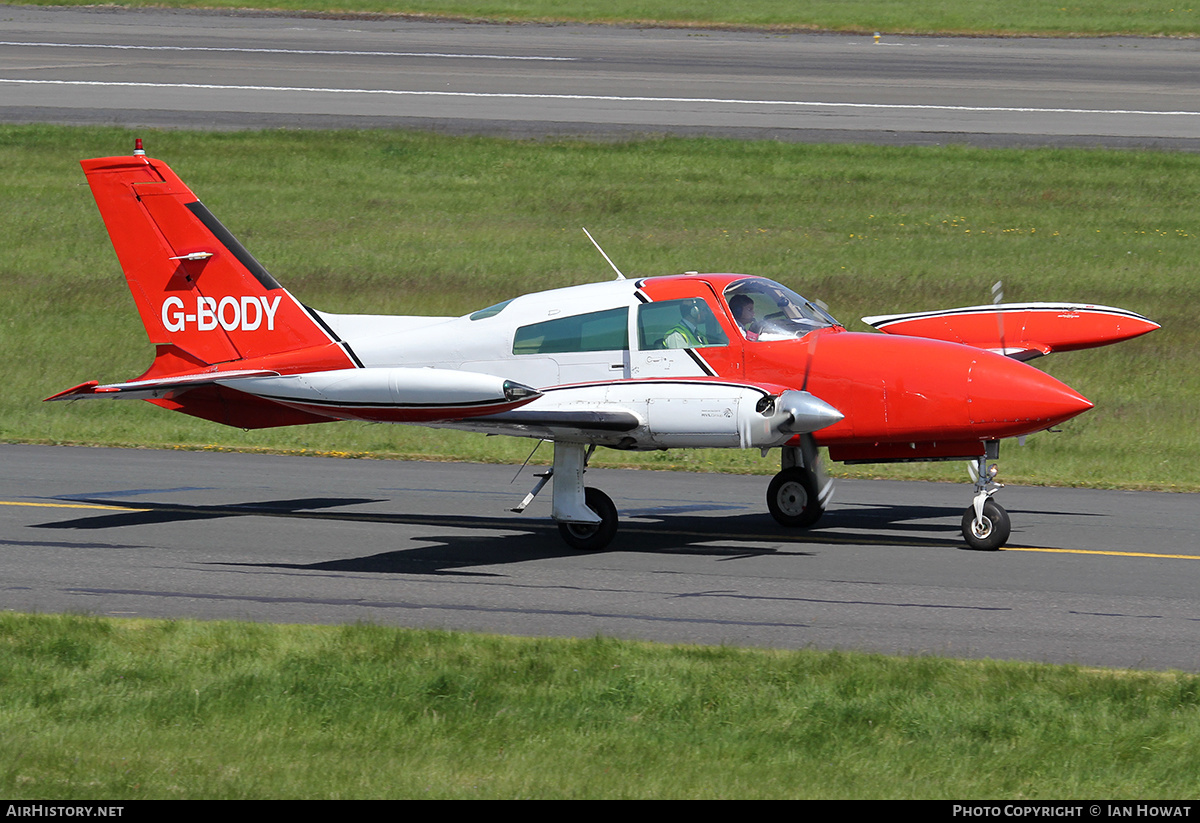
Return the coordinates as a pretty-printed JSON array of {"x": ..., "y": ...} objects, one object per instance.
[
  {"x": 491, "y": 311},
  {"x": 679, "y": 324},
  {"x": 597, "y": 331}
]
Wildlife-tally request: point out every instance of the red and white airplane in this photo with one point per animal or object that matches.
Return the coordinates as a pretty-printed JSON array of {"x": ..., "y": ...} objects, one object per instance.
[{"x": 685, "y": 361}]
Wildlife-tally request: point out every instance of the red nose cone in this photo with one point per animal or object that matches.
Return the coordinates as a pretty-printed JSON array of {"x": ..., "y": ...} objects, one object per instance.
[{"x": 1013, "y": 398}]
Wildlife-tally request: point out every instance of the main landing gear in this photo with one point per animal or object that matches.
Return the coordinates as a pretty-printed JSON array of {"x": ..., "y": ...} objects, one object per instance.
[
  {"x": 797, "y": 498},
  {"x": 591, "y": 537},
  {"x": 985, "y": 523},
  {"x": 800, "y": 493},
  {"x": 587, "y": 517}
]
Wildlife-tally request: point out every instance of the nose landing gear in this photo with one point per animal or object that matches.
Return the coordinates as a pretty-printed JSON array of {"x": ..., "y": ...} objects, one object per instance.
[{"x": 985, "y": 523}]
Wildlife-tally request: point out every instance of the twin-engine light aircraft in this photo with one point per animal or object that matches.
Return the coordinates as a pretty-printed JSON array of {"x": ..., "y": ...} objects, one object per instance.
[{"x": 685, "y": 361}]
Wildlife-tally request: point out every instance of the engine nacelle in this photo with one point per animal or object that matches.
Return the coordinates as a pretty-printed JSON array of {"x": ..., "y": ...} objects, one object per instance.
[{"x": 709, "y": 414}]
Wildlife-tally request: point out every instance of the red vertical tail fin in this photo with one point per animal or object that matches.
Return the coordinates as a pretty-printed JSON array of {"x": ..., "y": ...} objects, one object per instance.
[{"x": 203, "y": 298}]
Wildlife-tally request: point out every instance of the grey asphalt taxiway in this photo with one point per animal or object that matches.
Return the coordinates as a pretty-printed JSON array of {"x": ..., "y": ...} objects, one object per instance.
[
  {"x": 194, "y": 69},
  {"x": 1105, "y": 578}
]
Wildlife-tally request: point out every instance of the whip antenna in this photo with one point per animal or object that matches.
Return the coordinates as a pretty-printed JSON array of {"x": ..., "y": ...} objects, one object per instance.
[{"x": 606, "y": 257}]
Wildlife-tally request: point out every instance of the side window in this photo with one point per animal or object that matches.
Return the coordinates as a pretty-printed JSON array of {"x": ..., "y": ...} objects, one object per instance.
[
  {"x": 491, "y": 311},
  {"x": 679, "y": 324},
  {"x": 598, "y": 331}
]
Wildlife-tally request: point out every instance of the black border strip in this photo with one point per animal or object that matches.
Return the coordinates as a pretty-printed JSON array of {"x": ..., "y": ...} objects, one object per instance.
[
  {"x": 701, "y": 362},
  {"x": 334, "y": 336},
  {"x": 346, "y": 404},
  {"x": 1011, "y": 309},
  {"x": 667, "y": 381},
  {"x": 231, "y": 243},
  {"x": 593, "y": 420}
]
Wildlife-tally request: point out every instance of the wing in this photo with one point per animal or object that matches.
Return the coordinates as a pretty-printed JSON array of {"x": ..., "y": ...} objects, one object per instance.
[{"x": 1022, "y": 331}]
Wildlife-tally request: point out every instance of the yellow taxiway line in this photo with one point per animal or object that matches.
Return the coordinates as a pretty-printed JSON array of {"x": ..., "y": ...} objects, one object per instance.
[
  {"x": 72, "y": 506},
  {"x": 1103, "y": 551}
]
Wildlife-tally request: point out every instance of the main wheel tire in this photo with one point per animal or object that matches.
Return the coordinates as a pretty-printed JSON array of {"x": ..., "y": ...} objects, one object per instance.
[
  {"x": 992, "y": 531},
  {"x": 592, "y": 537},
  {"x": 792, "y": 499}
]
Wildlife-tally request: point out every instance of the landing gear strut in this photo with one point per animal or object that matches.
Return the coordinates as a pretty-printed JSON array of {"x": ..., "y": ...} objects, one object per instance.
[
  {"x": 799, "y": 494},
  {"x": 985, "y": 523},
  {"x": 587, "y": 518}
]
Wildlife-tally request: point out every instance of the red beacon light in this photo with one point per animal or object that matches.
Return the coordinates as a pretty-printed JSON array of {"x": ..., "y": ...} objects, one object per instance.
[{"x": 138, "y": 151}]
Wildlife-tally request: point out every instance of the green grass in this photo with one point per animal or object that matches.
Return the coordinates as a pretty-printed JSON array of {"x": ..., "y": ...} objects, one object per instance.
[
  {"x": 394, "y": 222},
  {"x": 105, "y": 710},
  {"x": 1009, "y": 17}
]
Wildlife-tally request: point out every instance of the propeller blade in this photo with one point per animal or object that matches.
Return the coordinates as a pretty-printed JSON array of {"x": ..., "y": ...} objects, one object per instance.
[
  {"x": 808, "y": 359},
  {"x": 997, "y": 299}
]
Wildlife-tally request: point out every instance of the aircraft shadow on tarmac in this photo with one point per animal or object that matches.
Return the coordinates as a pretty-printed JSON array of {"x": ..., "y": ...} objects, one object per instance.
[
  {"x": 725, "y": 536},
  {"x": 142, "y": 513}
]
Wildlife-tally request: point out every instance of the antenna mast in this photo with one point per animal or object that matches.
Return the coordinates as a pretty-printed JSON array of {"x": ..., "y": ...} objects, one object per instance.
[{"x": 606, "y": 257}]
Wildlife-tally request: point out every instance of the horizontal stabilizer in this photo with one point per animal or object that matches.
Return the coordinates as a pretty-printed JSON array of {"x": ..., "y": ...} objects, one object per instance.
[
  {"x": 1022, "y": 331},
  {"x": 154, "y": 388}
]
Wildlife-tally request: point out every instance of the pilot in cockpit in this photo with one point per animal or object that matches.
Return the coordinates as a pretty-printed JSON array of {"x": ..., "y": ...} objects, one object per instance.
[
  {"x": 743, "y": 312},
  {"x": 787, "y": 315}
]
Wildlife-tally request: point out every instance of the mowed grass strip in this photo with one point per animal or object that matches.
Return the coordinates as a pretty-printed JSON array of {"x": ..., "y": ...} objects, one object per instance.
[
  {"x": 124, "y": 709},
  {"x": 405, "y": 223},
  {"x": 984, "y": 17}
]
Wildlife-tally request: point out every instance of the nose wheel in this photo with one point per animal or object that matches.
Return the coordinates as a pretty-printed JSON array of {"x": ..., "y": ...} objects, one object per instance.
[
  {"x": 989, "y": 530},
  {"x": 985, "y": 523}
]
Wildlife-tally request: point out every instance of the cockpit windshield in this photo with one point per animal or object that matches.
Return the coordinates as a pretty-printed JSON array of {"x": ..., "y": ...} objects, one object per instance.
[{"x": 765, "y": 310}]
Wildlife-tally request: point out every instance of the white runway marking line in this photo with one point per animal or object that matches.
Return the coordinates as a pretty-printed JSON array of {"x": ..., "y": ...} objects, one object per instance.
[
  {"x": 292, "y": 51},
  {"x": 601, "y": 98}
]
